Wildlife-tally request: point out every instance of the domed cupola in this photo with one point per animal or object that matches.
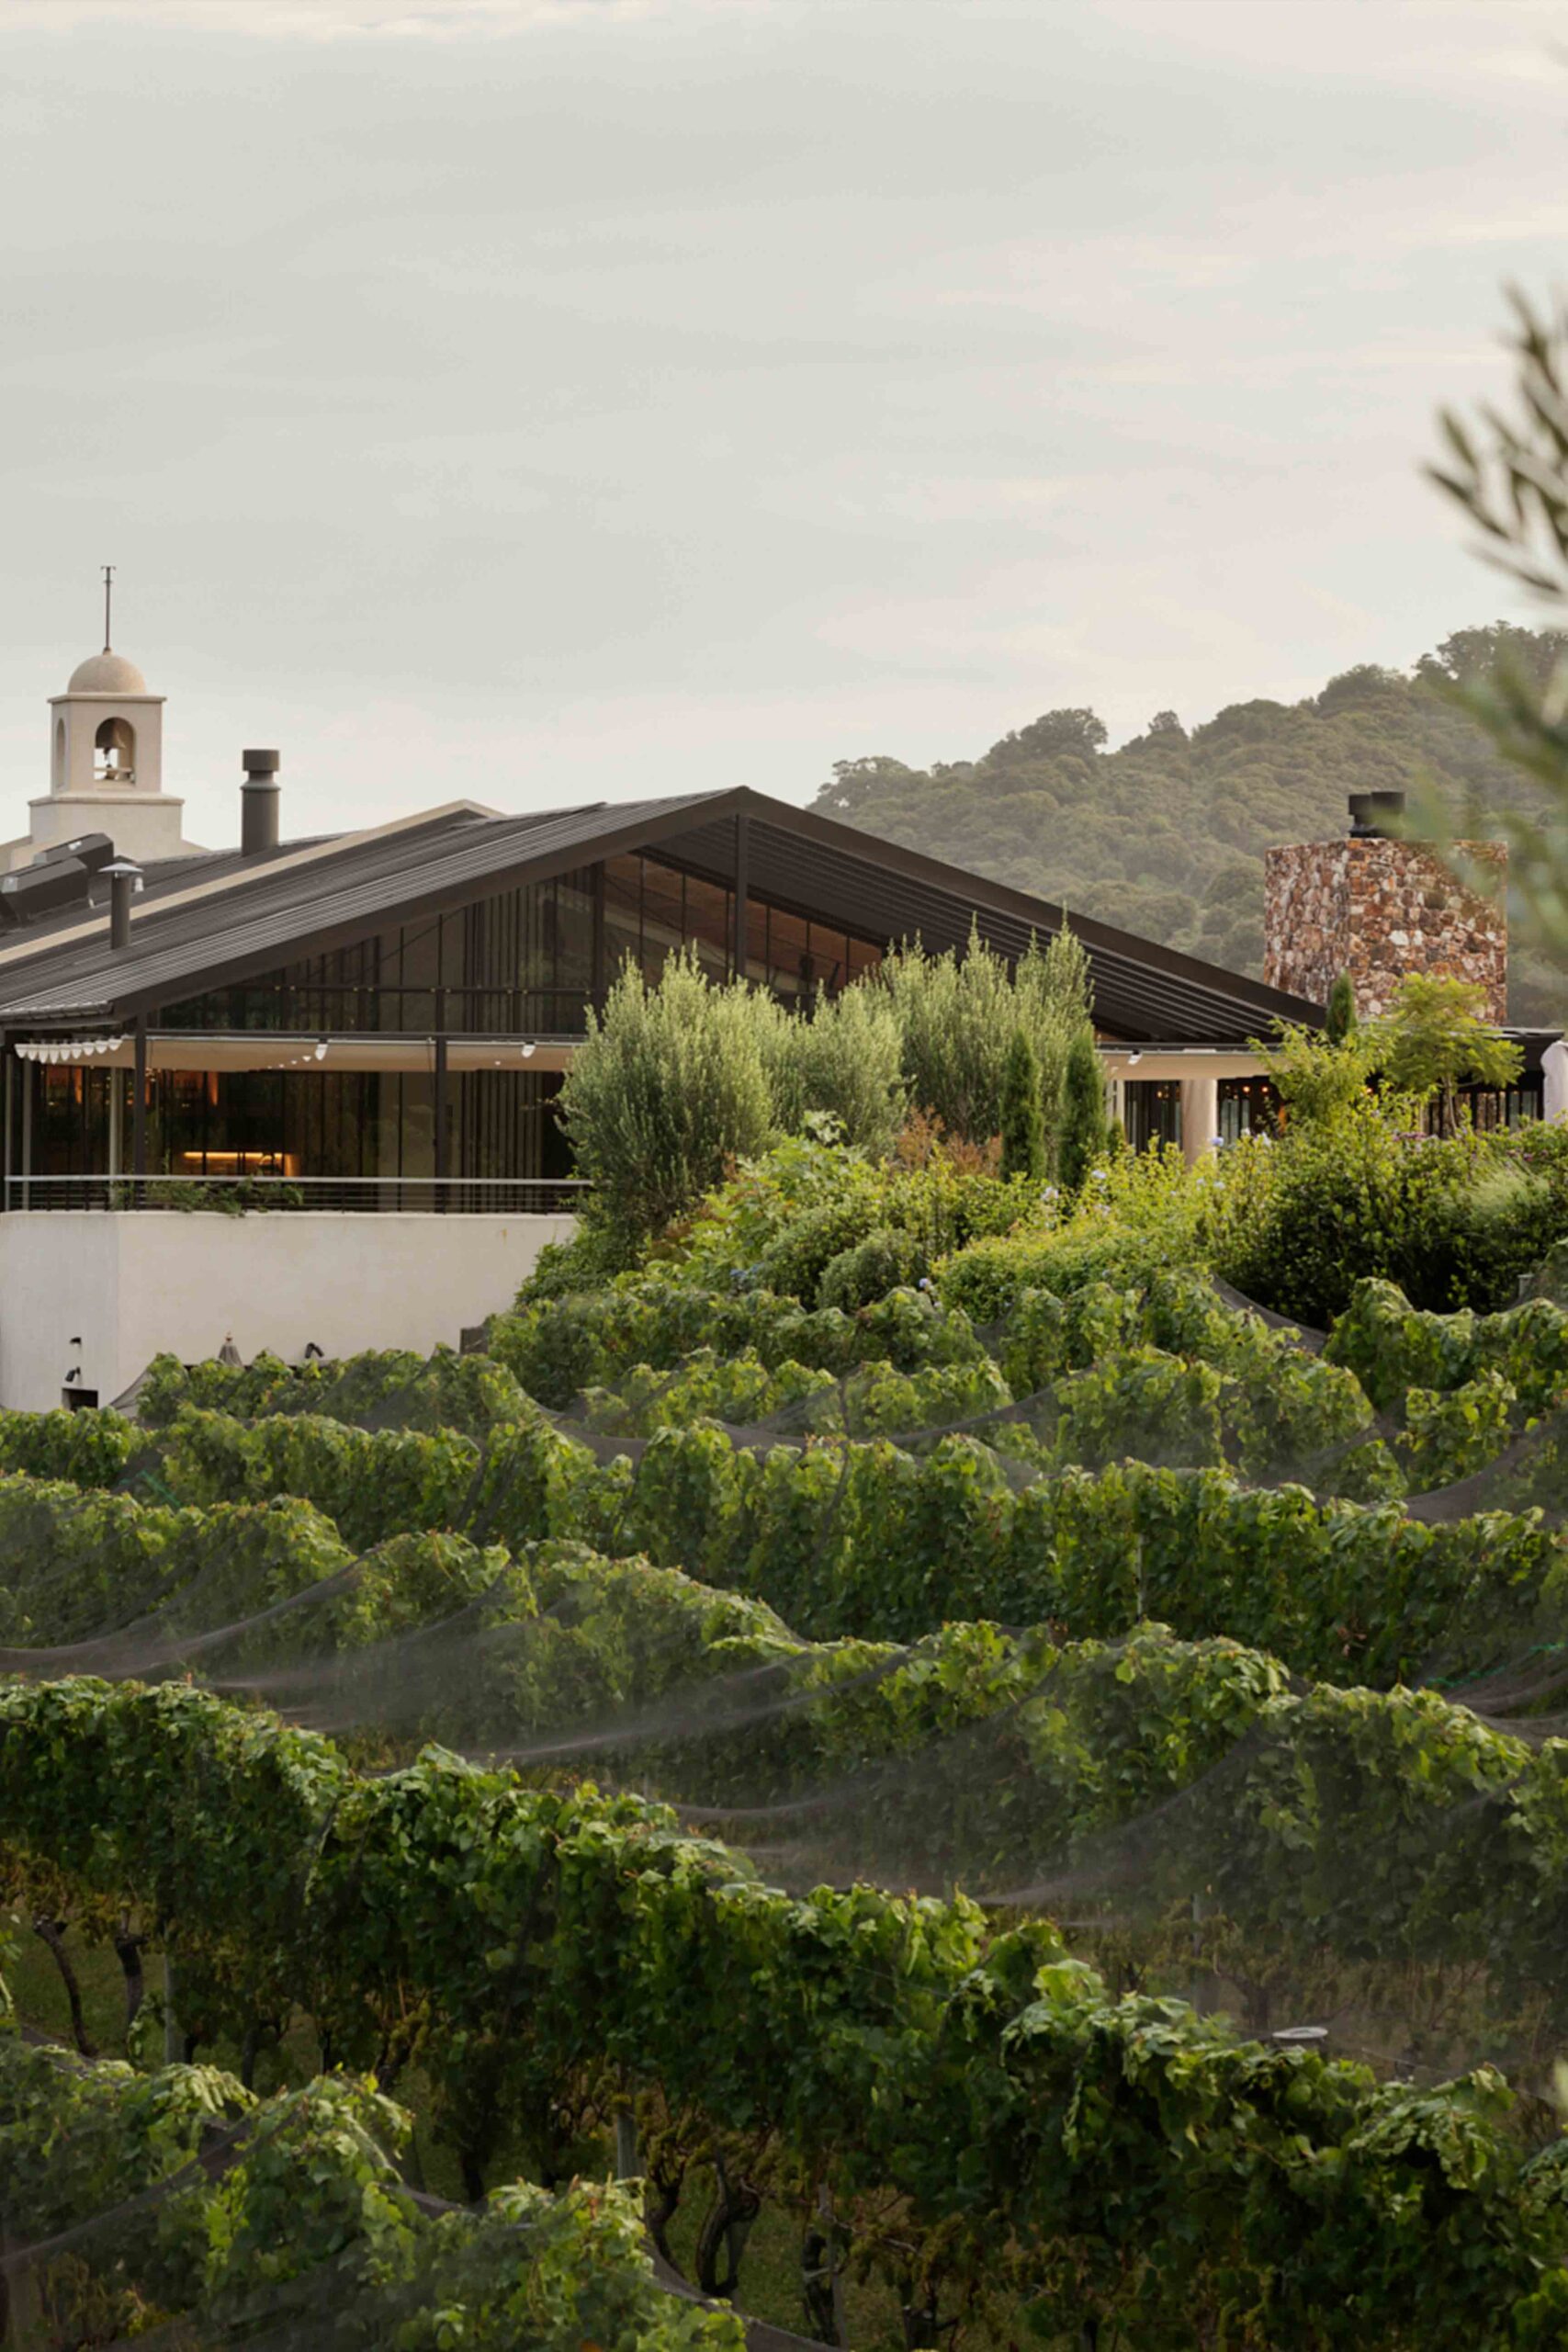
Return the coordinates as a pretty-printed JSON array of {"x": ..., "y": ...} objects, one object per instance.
[
  {"x": 106, "y": 674},
  {"x": 106, "y": 772}
]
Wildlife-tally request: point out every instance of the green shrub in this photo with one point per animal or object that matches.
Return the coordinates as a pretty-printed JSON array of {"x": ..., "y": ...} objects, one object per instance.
[
  {"x": 669, "y": 1085},
  {"x": 1297, "y": 1224},
  {"x": 1454, "y": 1431},
  {"x": 958, "y": 1015},
  {"x": 1022, "y": 1121},
  {"x": 740, "y": 1390},
  {"x": 788, "y": 1211},
  {"x": 1395, "y": 1349},
  {"x": 89, "y": 1448},
  {"x": 843, "y": 1060},
  {"x": 783, "y": 1218},
  {"x": 988, "y": 1278},
  {"x": 306, "y": 2213},
  {"x": 1084, "y": 1134},
  {"x": 74, "y": 1564},
  {"x": 886, "y": 1260},
  {"x": 596, "y": 1253},
  {"x": 1339, "y": 1012}
]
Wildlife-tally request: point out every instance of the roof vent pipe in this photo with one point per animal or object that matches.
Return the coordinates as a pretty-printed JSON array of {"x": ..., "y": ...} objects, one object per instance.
[
  {"x": 1372, "y": 812},
  {"x": 125, "y": 880},
  {"x": 258, "y": 802}
]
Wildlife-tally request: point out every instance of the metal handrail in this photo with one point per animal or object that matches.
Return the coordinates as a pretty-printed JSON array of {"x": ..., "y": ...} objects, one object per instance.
[{"x": 239, "y": 1194}]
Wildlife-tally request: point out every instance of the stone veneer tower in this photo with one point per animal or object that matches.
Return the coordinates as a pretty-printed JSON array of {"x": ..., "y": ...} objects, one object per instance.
[{"x": 1379, "y": 908}]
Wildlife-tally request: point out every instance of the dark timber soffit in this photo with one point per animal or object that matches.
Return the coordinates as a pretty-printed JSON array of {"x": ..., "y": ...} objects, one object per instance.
[{"x": 253, "y": 921}]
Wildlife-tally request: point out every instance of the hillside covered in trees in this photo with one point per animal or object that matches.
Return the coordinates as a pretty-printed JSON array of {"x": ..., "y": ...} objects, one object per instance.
[{"x": 1167, "y": 835}]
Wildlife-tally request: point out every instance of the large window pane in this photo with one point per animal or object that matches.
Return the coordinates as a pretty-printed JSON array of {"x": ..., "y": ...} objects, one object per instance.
[
  {"x": 623, "y": 914},
  {"x": 663, "y": 915},
  {"x": 757, "y": 941},
  {"x": 708, "y": 925},
  {"x": 789, "y": 954},
  {"x": 574, "y": 963},
  {"x": 830, "y": 958}
]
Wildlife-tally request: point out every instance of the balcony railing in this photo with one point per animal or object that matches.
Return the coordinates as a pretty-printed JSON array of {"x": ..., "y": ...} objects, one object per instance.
[{"x": 250, "y": 1195}]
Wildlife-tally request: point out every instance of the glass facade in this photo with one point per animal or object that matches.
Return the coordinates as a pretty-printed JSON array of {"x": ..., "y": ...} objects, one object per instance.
[
  {"x": 1152, "y": 1111},
  {"x": 529, "y": 961},
  {"x": 296, "y": 1123},
  {"x": 522, "y": 962},
  {"x": 652, "y": 909},
  {"x": 1249, "y": 1106}
]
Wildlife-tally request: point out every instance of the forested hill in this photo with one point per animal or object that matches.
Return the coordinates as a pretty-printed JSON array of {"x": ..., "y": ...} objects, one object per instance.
[{"x": 1166, "y": 836}]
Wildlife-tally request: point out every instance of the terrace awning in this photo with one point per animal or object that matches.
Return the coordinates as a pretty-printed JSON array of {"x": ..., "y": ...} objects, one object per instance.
[
  {"x": 265, "y": 1050},
  {"x": 108, "y": 1051}
]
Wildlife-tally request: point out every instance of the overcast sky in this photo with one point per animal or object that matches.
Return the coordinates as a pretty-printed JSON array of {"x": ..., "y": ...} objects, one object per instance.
[{"x": 543, "y": 403}]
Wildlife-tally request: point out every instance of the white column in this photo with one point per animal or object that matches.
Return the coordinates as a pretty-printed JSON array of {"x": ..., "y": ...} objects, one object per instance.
[
  {"x": 1555, "y": 1080},
  {"x": 1199, "y": 1117}
]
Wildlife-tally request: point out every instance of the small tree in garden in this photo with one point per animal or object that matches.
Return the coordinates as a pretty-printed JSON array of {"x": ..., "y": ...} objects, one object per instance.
[
  {"x": 957, "y": 1017},
  {"x": 1024, "y": 1134},
  {"x": 1433, "y": 1039},
  {"x": 670, "y": 1084},
  {"x": 847, "y": 1061},
  {"x": 1085, "y": 1131},
  {"x": 1316, "y": 1076},
  {"x": 1339, "y": 1013}
]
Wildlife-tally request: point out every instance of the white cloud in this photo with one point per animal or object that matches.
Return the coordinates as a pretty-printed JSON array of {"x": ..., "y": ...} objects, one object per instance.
[
  {"x": 326, "y": 21},
  {"x": 538, "y": 398}
]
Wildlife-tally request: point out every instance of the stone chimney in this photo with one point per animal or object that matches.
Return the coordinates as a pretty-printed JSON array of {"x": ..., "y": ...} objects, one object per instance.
[{"x": 1379, "y": 908}]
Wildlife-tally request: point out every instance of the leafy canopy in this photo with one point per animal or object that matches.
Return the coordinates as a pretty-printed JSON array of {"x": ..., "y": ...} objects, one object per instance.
[{"x": 1433, "y": 1040}]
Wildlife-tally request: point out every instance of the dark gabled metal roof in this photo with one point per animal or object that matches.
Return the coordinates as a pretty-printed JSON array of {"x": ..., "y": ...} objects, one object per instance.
[
  {"x": 1141, "y": 990},
  {"x": 160, "y": 877},
  {"x": 263, "y": 914},
  {"x": 257, "y": 915}
]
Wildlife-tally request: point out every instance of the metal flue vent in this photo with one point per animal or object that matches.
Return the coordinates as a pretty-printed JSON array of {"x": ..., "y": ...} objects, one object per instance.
[
  {"x": 43, "y": 889},
  {"x": 1373, "y": 813},
  {"x": 92, "y": 849},
  {"x": 61, "y": 876}
]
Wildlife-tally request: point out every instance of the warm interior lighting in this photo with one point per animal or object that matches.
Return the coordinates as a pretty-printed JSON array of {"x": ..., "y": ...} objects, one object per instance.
[{"x": 246, "y": 1164}]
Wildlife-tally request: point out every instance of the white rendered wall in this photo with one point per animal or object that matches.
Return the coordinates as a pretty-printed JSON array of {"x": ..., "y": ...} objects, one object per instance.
[
  {"x": 135, "y": 1286},
  {"x": 1555, "y": 1080},
  {"x": 140, "y": 827}
]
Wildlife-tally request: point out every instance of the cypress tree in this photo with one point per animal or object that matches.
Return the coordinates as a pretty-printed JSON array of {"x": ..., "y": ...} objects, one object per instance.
[
  {"x": 1023, "y": 1127},
  {"x": 1085, "y": 1135},
  {"x": 1339, "y": 1013}
]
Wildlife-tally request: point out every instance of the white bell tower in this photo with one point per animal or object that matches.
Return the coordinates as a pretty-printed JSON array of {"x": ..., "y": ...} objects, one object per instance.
[{"x": 105, "y": 764}]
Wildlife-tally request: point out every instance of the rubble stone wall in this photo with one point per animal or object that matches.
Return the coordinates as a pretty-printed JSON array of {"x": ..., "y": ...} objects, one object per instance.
[{"x": 1378, "y": 910}]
